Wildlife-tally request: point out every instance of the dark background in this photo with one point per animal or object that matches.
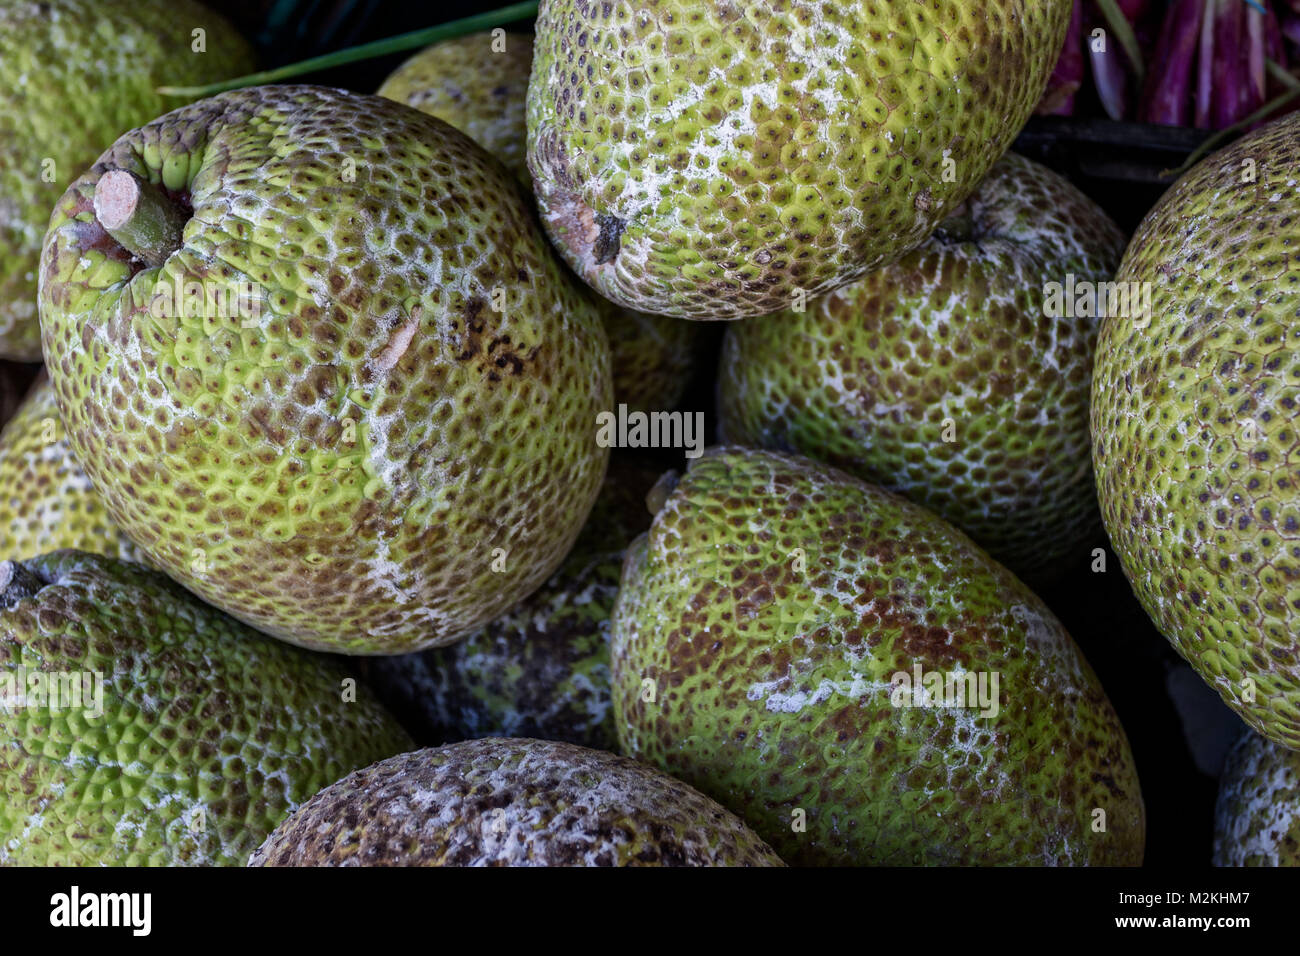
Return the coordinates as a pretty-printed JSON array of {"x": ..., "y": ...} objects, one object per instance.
[{"x": 1176, "y": 725}]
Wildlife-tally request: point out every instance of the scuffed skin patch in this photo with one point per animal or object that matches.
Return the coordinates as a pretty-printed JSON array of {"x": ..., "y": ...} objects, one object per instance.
[
  {"x": 1196, "y": 426},
  {"x": 1257, "y": 819},
  {"x": 941, "y": 378},
  {"x": 477, "y": 89},
  {"x": 511, "y": 802},
  {"x": 398, "y": 443},
  {"x": 757, "y": 634},
  {"x": 210, "y": 733},
  {"x": 712, "y": 160},
  {"x": 75, "y": 75},
  {"x": 46, "y": 500}
]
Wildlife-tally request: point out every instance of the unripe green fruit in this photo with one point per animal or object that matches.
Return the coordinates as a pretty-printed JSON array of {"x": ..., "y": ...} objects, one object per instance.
[{"x": 384, "y": 435}]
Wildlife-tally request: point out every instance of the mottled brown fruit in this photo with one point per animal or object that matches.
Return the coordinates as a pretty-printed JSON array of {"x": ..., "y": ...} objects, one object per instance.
[
  {"x": 1257, "y": 819},
  {"x": 542, "y": 668},
  {"x": 371, "y": 426},
  {"x": 478, "y": 84},
  {"x": 511, "y": 802},
  {"x": 710, "y": 159},
  {"x": 140, "y": 727},
  {"x": 1196, "y": 424},
  {"x": 767, "y": 639},
  {"x": 46, "y": 501},
  {"x": 958, "y": 376}
]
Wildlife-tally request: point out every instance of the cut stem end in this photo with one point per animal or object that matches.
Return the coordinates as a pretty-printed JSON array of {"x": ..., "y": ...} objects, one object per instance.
[{"x": 139, "y": 215}]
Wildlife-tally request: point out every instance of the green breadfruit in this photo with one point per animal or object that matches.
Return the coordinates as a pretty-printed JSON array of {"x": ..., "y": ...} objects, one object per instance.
[
  {"x": 1196, "y": 425},
  {"x": 75, "y": 75},
  {"x": 392, "y": 440},
  {"x": 198, "y": 735},
  {"x": 1257, "y": 819},
  {"x": 478, "y": 84},
  {"x": 717, "y": 160},
  {"x": 944, "y": 377},
  {"x": 859, "y": 682},
  {"x": 46, "y": 501}
]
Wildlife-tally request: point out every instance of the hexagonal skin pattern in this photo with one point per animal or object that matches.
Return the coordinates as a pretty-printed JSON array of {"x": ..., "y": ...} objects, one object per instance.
[
  {"x": 1196, "y": 426},
  {"x": 482, "y": 93},
  {"x": 653, "y": 356},
  {"x": 711, "y": 159},
  {"x": 542, "y": 668},
  {"x": 75, "y": 75},
  {"x": 758, "y": 634},
  {"x": 209, "y": 733},
  {"x": 476, "y": 89},
  {"x": 1257, "y": 819},
  {"x": 511, "y": 802},
  {"x": 369, "y": 458},
  {"x": 46, "y": 501},
  {"x": 942, "y": 378}
]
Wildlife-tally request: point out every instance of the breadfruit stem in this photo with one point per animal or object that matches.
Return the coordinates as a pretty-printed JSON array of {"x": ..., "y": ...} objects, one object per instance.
[
  {"x": 139, "y": 215},
  {"x": 1212, "y": 142},
  {"x": 17, "y": 583}
]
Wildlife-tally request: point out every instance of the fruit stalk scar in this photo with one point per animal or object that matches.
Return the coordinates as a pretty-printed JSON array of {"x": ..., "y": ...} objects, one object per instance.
[{"x": 139, "y": 215}]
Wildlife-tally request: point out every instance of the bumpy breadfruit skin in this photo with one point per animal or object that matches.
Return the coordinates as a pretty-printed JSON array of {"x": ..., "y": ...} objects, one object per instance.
[
  {"x": 941, "y": 377},
  {"x": 210, "y": 732},
  {"x": 712, "y": 159},
  {"x": 1257, "y": 819},
  {"x": 380, "y": 461},
  {"x": 480, "y": 91},
  {"x": 511, "y": 802},
  {"x": 758, "y": 629},
  {"x": 542, "y": 668},
  {"x": 1196, "y": 426},
  {"x": 46, "y": 501},
  {"x": 74, "y": 75}
]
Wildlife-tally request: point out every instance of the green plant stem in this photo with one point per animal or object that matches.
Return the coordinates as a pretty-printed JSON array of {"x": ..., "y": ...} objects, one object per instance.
[
  {"x": 1282, "y": 74},
  {"x": 367, "y": 51},
  {"x": 1123, "y": 31},
  {"x": 1211, "y": 142}
]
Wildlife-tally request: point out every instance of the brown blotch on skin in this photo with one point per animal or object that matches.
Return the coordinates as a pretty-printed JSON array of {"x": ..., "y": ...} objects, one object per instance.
[{"x": 606, "y": 247}]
